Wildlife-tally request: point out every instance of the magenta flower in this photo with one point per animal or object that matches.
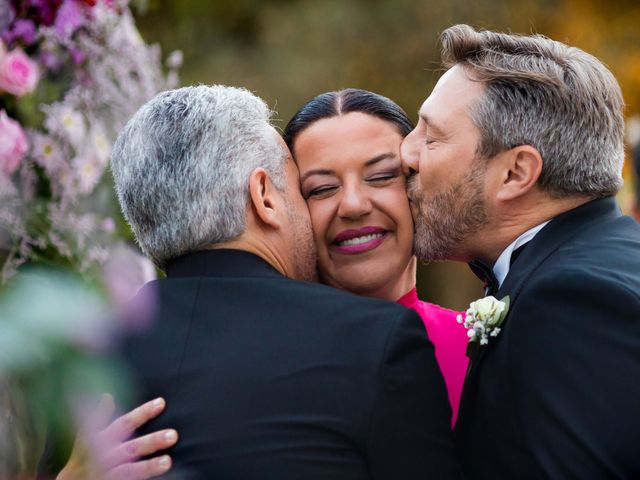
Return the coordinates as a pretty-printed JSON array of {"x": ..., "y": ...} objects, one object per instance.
[
  {"x": 18, "y": 73},
  {"x": 42, "y": 11},
  {"x": 13, "y": 143}
]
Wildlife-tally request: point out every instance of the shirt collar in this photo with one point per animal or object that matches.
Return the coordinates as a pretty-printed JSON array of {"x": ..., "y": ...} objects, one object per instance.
[{"x": 502, "y": 265}]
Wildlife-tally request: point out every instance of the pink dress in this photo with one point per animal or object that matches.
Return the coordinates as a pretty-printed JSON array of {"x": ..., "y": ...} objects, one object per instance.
[{"x": 450, "y": 341}]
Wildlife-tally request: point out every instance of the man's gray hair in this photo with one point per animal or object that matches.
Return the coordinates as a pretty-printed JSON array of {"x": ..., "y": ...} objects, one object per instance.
[
  {"x": 558, "y": 99},
  {"x": 182, "y": 164}
]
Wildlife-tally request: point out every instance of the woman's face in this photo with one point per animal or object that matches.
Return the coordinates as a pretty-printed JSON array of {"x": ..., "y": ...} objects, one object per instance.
[{"x": 351, "y": 178}]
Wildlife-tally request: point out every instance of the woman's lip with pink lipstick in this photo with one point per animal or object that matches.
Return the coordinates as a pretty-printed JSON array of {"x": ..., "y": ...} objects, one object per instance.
[{"x": 359, "y": 240}]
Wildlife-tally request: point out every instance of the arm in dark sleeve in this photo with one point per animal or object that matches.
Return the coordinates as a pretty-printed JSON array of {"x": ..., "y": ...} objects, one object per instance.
[
  {"x": 575, "y": 376},
  {"x": 410, "y": 434}
]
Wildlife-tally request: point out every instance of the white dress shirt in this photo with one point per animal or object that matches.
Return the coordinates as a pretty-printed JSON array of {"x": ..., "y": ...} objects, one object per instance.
[{"x": 502, "y": 265}]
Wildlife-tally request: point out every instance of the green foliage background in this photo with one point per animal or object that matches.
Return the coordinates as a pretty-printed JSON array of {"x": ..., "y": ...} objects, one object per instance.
[{"x": 288, "y": 51}]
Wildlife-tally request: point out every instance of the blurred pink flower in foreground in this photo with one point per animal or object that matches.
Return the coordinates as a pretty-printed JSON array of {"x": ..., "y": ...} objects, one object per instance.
[
  {"x": 13, "y": 143},
  {"x": 18, "y": 73},
  {"x": 125, "y": 272}
]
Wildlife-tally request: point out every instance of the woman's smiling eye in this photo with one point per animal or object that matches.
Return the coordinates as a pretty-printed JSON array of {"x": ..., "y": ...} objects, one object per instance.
[
  {"x": 383, "y": 176},
  {"x": 320, "y": 190}
]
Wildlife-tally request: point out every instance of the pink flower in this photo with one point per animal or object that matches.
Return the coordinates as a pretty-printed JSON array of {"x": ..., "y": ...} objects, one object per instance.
[
  {"x": 13, "y": 143},
  {"x": 108, "y": 225},
  {"x": 18, "y": 73}
]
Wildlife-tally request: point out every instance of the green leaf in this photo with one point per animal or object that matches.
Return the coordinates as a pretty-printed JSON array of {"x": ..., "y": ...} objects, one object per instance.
[{"x": 507, "y": 302}]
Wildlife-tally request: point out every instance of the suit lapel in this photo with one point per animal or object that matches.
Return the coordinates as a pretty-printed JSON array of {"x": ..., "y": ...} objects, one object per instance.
[{"x": 559, "y": 231}]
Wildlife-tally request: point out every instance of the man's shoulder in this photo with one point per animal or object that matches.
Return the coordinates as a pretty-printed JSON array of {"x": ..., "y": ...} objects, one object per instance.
[
  {"x": 595, "y": 275},
  {"x": 606, "y": 250},
  {"x": 288, "y": 296}
]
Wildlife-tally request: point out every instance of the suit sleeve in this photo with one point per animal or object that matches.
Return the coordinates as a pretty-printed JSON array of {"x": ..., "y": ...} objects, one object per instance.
[
  {"x": 410, "y": 435},
  {"x": 575, "y": 375}
]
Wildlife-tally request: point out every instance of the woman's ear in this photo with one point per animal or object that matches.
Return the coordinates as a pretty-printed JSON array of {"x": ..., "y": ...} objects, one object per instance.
[
  {"x": 266, "y": 199},
  {"x": 523, "y": 165}
]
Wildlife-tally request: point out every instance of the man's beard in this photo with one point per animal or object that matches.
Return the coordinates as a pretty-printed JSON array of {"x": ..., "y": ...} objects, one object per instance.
[
  {"x": 304, "y": 251},
  {"x": 446, "y": 220}
]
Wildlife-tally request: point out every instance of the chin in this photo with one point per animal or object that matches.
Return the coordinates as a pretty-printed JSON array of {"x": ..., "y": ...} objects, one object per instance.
[{"x": 362, "y": 280}]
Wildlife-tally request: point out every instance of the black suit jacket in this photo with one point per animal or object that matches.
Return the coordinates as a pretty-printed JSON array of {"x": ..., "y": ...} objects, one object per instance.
[
  {"x": 270, "y": 378},
  {"x": 557, "y": 393}
]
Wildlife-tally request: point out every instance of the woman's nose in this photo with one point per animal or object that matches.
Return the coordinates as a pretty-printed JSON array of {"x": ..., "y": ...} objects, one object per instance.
[{"x": 354, "y": 202}]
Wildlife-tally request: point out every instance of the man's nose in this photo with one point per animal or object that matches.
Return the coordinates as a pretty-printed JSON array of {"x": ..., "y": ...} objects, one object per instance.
[
  {"x": 410, "y": 154},
  {"x": 354, "y": 202}
]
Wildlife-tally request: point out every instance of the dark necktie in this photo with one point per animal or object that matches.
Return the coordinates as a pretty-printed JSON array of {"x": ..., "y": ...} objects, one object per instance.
[{"x": 485, "y": 273}]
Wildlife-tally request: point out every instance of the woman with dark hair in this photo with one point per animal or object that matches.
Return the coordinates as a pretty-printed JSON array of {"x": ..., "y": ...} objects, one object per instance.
[{"x": 347, "y": 147}]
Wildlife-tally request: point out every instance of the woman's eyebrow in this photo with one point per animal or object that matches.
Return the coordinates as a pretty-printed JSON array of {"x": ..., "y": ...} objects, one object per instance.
[
  {"x": 379, "y": 158},
  {"x": 317, "y": 171},
  {"x": 327, "y": 171}
]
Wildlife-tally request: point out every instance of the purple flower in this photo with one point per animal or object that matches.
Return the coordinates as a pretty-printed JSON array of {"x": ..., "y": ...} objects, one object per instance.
[
  {"x": 108, "y": 225},
  {"x": 7, "y": 14},
  {"x": 23, "y": 30},
  {"x": 42, "y": 11},
  {"x": 71, "y": 16},
  {"x": 77, "y": 56},
  {"x": 50, "y": 60}
]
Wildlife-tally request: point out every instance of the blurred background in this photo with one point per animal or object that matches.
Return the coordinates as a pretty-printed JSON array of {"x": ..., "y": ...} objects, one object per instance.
[{"x": 288, "y": 51}]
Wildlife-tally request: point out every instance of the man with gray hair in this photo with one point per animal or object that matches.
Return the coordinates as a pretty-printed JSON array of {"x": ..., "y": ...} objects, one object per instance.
[
  {"x": 514, "y": 165},
  {"x": 265, "y": 375}
]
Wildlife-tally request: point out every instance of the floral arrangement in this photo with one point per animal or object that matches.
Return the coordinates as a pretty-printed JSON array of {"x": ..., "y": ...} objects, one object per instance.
[{"x": 72, "y": 72}]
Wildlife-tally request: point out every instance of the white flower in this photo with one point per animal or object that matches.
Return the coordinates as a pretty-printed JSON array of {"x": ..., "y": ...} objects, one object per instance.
[
  {"x": 88, "y": 170},
  {"x": 100, "y": 144},
  {"x": 483, "y": 318},
  {"x": 67, "y": 122},
  {"x": 175, "y": 59},
  {"x": 488, "y": 309}
]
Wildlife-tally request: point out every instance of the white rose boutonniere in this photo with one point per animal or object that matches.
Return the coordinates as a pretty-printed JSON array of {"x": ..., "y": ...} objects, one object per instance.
[{"x": 482, "y": 320}]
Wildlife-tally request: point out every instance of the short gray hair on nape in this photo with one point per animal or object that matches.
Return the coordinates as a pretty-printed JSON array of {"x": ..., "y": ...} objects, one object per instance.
[
  {"x": 540, "y": 92},
  {"x": 182, "y": 164}
]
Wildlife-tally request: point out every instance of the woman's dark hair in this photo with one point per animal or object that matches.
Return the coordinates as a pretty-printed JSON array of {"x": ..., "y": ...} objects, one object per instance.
[{"x": 333, "y": 104}]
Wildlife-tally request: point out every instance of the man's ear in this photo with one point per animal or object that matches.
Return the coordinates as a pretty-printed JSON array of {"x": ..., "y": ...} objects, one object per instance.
[
  {"x": 522, "y": 168},
  {"x": 266, "y": 199}
]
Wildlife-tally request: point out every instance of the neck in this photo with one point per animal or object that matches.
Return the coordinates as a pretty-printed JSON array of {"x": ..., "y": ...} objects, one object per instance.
[
  {"x": 262, "y": 248},
  {"x": 515, "y": 220},
  {"x": 395, "y": 288}
]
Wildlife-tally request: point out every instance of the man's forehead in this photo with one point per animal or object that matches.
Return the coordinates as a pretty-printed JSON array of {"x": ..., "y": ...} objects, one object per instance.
[{"x": 453, "y": 90}]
